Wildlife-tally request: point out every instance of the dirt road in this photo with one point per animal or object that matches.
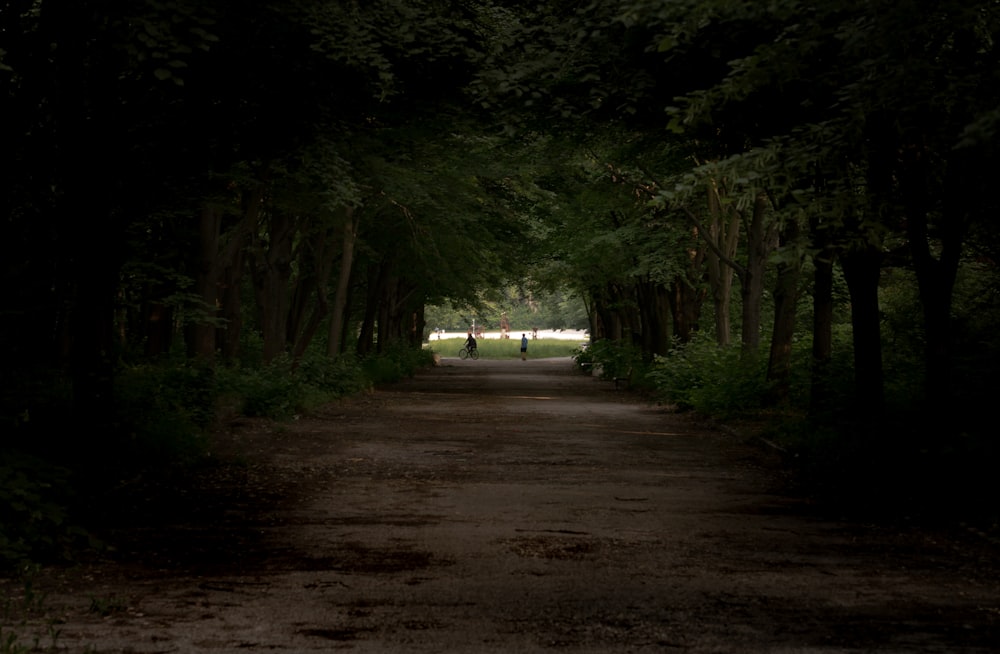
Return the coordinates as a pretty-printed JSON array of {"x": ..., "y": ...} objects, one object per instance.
[{"x": 509, "y": 507}]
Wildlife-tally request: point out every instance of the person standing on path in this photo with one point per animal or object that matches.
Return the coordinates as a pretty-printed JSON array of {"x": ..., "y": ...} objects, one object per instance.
[{"x": 524, "y": 347}]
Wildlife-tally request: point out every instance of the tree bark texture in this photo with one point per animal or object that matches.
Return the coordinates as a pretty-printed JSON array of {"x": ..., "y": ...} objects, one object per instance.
[
  {"x": 862, "y": 269},
  {"x": 654, "y": 311},
  {"x": 935, "y": 276},
  {"x": 232, "y": 267},
  {"x": 861, "y": 261},
  {"x": 786, "y": 295},
  {"x": 349, "y": 236},
  {"x": 310, "y": 305},
  {"x": 273, "y": 271},
  {"x": 822, "y": 346},
  {"x": 366, "y": 337},
  {"x": 685, "y": 297},
  {"x": 724, "y": 231},
  {"x": 202, "y": 343},
  {"x": 685, "y": 306},
  {"x": 761, "y": 241}
]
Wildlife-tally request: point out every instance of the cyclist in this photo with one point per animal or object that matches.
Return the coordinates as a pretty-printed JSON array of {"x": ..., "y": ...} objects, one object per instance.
[{"x": 470, "y": 343}]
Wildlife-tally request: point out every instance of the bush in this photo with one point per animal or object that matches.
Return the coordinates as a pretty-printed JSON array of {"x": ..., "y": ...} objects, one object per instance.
[
  {"x": 327, "y": 378},
  {"x": 34, "y": 520},
  {"x": 717, "y": 381},
  {"x": 272, "y": 391},
  {"x": 163, "y": 411},
  {"x": 611, "y": 359},
  {"x": 281, "y": 390},
  {"x": 396, "y": 363}
]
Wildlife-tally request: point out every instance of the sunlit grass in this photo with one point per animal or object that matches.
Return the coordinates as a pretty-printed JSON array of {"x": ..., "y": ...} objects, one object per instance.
[{"x": 542, "y": 348}]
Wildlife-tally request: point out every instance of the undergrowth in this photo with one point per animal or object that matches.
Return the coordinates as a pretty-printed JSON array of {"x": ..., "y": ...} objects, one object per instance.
[
  {"x": 914, "y": 460},
  {"x": 164, "y": 412}
]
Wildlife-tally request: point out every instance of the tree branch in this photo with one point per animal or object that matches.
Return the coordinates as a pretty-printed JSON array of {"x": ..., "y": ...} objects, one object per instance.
[{"x": 702, "y": 232}]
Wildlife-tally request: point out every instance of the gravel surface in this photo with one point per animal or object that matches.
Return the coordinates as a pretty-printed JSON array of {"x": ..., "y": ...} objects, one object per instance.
[{"x": 504, "y": 506}]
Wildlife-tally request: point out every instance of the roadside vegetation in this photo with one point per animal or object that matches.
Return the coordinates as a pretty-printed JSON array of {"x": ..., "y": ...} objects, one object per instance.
[
  {"x": 895, "y": 465},
  {"x": 50, "y": 474}
]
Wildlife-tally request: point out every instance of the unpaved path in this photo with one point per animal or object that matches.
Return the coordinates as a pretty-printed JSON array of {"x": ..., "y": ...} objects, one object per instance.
[{"x": 509, "y": 507}]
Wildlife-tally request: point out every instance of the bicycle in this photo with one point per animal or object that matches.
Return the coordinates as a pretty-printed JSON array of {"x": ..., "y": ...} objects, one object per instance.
[{"x": 467, "y": 352}]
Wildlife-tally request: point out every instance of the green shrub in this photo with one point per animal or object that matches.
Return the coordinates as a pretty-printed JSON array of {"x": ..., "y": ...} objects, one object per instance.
[
  {"x": 396, "y": 363},
  {"x": 271, "y": 391},
  {"x": 583, "y": 357},
  {"x": 382, "y": 370},
  {"x": 281, "y": 390},
  {"x": 613, "y": 360},
  {"x": 163, "y": 410},
  {"x": 718, "y": 381},
  {"x": 332, "y": 378},
  {"x": 34, "y": 519}
]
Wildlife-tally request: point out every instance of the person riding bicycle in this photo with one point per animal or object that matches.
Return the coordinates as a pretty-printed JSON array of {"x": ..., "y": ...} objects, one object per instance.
[{"x": 470, "y": 342}]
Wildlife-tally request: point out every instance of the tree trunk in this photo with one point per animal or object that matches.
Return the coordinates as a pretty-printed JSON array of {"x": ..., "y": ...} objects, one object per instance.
[
  {"x": 158, "y": 326},
  {"x": 310, "y": 292},
  {"x": 593, "y": 320},
  {"x": 862, "y": 266},
  {"x": 386, "y": 318},
  {"x": 202, "y": 344},
  {"x": 335, "y": 341},
  {"x": 935, "y": 277},
  {"x": 366, "y": 337},
  {"x": 233, "y": 266},
  {"x": 611, "y": 324},
  {"x": 654, "y": 310},
  {"x": 682, "y": 309},
  {"x": 822, "y": 347},
  {"x": 396, "y": 312},
  {"x": 724, "y": 231},
  {"x": 626, "y": 306},
  {"x": 685, "y": 305},
  {"x": 761, "y": 241},
  {"x": 597, "y": 316},
  {"x": 273, "y": 268},
  {"x": 230, "y": 288},
  {"x": 663, "y": 340},
  {"x": 862, "y": 269},
  {"x": 319, "y": 312},
  {"x": 417, "y": 326},
  {"x": 685, "y": 298},
  {"x": 786, "y": 295},
  {"x": 302, "y": 292},
  {"x": 609, "y": 320}
]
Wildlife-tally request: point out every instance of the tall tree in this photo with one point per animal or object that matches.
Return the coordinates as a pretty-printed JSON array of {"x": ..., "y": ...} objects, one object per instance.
[{"x": 880, "y": 100}]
